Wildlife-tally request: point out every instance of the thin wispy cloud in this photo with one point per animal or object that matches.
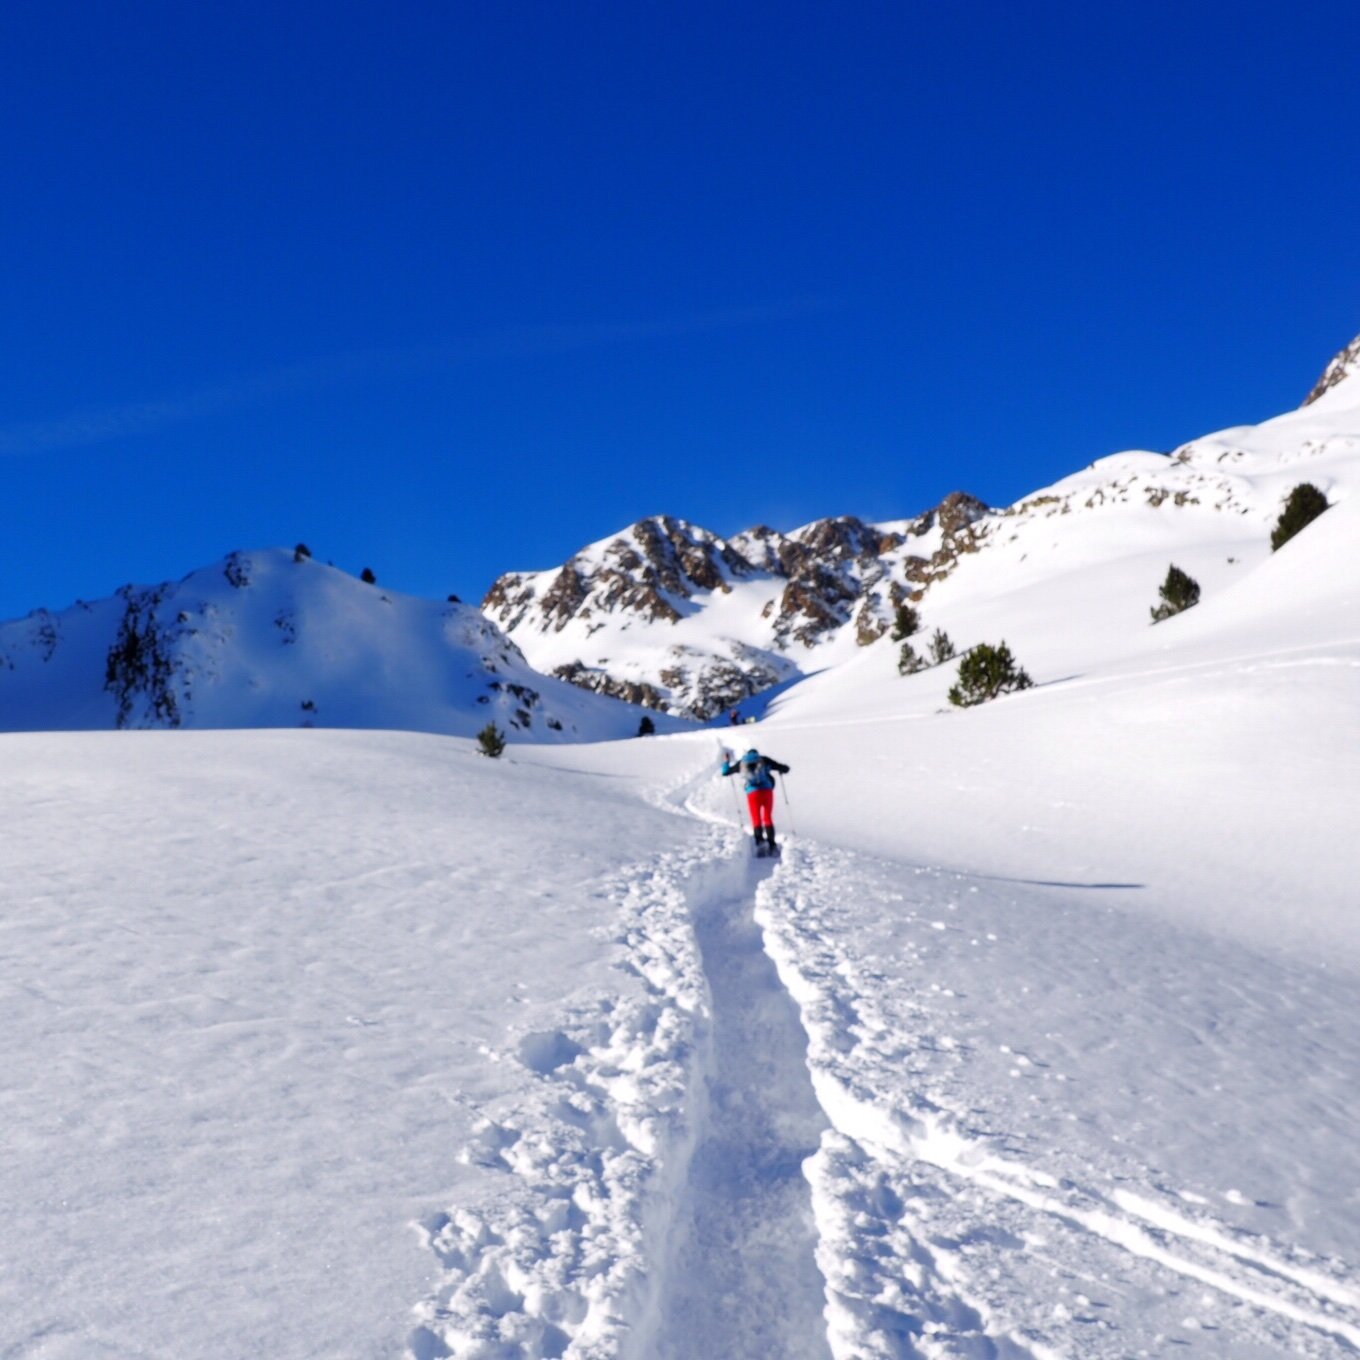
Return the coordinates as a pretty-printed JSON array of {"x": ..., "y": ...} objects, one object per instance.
[{"x": 509, "y": 343}]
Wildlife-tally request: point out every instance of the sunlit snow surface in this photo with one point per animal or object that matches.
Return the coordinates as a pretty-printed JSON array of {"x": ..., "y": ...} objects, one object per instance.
[{"x": 358, "y": 1044}]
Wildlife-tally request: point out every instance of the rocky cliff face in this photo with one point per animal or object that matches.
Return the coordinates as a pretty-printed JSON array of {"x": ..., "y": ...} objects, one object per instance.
[
  {"x": 1344, "y": 365},
  {"x": 650, "y": 570},
  {"x": 670, "y": 615}
]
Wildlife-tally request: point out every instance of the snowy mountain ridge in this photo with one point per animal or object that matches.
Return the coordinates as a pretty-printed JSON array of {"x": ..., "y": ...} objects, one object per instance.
[
  {"x": 666, "y": 614},
  {"x": 670, "y": 615},
  {"x": 1344, "y": 365},
  {"x": 276, "y": 639}
]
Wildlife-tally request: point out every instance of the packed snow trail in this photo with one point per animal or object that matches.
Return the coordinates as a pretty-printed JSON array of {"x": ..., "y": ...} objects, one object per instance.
[
  {"x": 742, "y": 1278},
  {"x": 648, "y": 1199}
]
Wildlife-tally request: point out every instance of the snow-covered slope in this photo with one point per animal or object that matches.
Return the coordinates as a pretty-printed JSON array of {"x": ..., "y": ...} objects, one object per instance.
[
  {"x": 1068, "y": 577},
  {"x": 1078, "y": 972},
  {"x": 263, "y": 639},
  {"x": 262, "y": 988}
]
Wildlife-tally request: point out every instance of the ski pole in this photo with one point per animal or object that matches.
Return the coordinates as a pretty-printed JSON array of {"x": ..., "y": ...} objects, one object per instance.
[
  {"x": 788, "y": 806},
  {"x": 736, "y": 800},
  {"x": 736, "y": 797}
]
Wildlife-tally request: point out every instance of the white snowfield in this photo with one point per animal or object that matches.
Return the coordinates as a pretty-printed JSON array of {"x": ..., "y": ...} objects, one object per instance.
[{"x": 1039, "y": 1041}]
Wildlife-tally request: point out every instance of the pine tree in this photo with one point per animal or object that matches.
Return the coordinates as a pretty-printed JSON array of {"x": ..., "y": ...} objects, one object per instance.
[
  {"x": 1178, "y": 592},
  {"x": 985, "y": 673},
  {"x": 908, "y": 663},
  {"x": 1304, "y": 505},
  {"x": 941, "y": 649},
  {"x": 905, "y": 622},
  {"x": 646, "y": 727},
  {"x": 492, "y": 740}
]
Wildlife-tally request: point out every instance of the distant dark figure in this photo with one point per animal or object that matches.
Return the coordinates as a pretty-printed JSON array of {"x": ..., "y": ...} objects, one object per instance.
[
  {"x": 734, "y": 718},
  {"x": 758, "y": 771}
]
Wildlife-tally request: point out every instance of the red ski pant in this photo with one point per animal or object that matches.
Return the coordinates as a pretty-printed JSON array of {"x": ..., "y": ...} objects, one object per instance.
[{"x": 761, "y": 803}]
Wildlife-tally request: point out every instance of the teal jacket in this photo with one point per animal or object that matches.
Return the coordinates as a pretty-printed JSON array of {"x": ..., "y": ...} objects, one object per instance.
[{"x": 757, "y": 768}]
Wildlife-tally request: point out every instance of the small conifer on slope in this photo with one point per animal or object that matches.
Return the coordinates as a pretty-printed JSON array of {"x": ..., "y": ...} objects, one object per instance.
[
  {"x": 908, "y": 662},
  {"x": 491, "y": 740},
  {"x": 905, "y": 622},
  {"x": 1179, "y": 592},
  {"x": 986, "y": 672},
  {"x": 941, "y": 648},
  {"x": 1304, "y": 505}
]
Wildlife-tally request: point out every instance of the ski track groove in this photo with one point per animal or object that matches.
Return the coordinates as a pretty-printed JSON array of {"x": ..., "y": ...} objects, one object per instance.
[
  {"x": 741, "y": 1278},
  {"x": 907, "y": 1300},
  {"x": 653, "y": 1204}
]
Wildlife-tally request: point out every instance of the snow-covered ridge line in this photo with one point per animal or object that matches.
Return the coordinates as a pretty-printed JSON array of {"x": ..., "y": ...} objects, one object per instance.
[
  {"x": 277, "y": 639},
  {"x": 671, "y": 615},
  {"x": 565, "y": 1257}
]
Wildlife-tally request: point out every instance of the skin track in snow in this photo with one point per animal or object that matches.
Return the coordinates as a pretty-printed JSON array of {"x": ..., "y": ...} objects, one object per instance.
[{"x": 743, "y": 1279}]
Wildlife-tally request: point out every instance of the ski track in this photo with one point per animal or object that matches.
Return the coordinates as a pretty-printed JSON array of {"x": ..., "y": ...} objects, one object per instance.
[
  {"x": 742, "y": 1278},
  {"x": 919, "y": 1218},
  {"x": 652, "y": 1202}
]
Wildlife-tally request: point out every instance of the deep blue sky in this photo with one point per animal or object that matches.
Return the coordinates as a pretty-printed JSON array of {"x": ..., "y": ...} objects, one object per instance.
[{"x": 450, "y": 289}]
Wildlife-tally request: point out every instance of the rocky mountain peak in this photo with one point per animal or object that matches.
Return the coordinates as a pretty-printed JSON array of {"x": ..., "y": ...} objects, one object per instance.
[
  {"x": 604, "y": 619},
  {"x": 650, "y": 569},
  {"x": 840, "y": 539},
  {"x": 1345, "y": 364}
]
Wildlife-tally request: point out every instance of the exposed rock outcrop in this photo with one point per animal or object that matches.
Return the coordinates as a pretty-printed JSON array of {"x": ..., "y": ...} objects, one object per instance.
[
  {"x": 600, "y": 682},
  {"x": 1345, "y": 364}
]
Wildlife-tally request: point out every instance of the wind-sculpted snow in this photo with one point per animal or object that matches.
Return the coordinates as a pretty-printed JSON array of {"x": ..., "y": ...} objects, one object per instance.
[
  {"x": 259, "y": 988},
  {"x": 1014, "y": 1168}
]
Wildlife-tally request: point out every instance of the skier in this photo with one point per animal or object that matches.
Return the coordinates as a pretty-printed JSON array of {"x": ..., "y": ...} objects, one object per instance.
[{"x": 758, "y": 772}]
